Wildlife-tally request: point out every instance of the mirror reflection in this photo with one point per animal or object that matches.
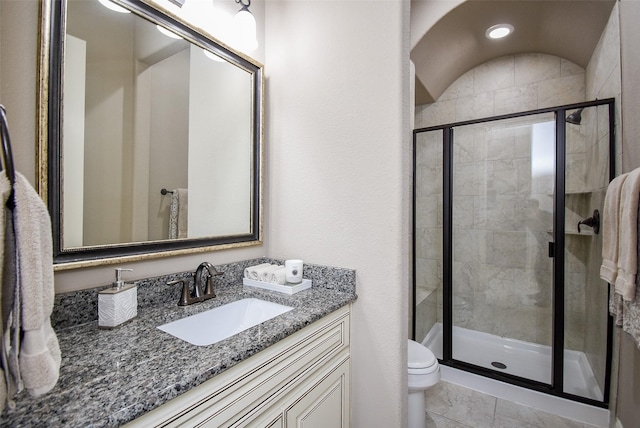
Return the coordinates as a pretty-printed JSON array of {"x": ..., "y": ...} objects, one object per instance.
[{"x": 159, "y": 136}]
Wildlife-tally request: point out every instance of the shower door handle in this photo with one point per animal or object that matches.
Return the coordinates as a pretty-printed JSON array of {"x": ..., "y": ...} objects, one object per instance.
[{"x": 552, "y": 249}]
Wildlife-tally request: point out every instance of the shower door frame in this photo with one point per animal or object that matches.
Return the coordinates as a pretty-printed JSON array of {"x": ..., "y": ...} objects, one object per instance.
[{"x": 556, "y": 251}]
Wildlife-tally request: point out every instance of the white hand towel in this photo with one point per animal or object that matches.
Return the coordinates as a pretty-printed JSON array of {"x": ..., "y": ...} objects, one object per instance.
[
  {"x": 278, "y": 276},
  {"x": 266, "y": 273},
  {"x": 610, "y": 226},
  {"x": 628, "y": 237},
  {"x": 252, "y": 271},
  {"x": 39, "y": 355}
]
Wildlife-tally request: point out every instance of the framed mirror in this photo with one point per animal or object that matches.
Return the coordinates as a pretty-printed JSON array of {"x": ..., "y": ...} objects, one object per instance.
[{"x": 150, "y": 135}]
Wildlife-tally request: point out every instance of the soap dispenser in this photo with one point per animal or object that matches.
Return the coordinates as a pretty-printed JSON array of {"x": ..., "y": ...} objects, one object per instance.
[{"x": 118, "y": 303}]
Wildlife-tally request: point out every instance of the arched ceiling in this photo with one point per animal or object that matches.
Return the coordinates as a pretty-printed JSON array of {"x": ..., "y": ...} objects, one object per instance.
[{"x": 456, "y": 43}]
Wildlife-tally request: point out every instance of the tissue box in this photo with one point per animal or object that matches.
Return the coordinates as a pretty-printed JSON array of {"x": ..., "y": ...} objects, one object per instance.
[{"x": 117, "y": 306}]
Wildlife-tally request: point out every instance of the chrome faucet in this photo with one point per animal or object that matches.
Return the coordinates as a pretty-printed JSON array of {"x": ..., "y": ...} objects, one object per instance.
[{"x": 201, "y": 292}]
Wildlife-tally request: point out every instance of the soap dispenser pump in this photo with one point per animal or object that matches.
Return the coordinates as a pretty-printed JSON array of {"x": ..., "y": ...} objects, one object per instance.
[{"x": 119, "y": 303}]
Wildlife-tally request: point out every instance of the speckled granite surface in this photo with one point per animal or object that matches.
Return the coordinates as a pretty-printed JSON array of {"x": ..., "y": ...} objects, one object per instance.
[{"x": 110, "y": 377}]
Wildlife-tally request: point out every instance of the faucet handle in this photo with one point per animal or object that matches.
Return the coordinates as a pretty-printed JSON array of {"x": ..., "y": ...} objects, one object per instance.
[
  {"x": 184, "y": 296},
  {"x": 209, "y": 291}
]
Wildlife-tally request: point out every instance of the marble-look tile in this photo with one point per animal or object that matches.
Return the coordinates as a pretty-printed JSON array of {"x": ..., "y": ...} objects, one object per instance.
[
  {"x": 516, "y": 99},
  {"x": 510, "y": 249},
  {"x": 564, "y": 90},
  {"x": 428, "y": 273},
  {"x": 576, "y": 138},
  {"x": 496, "y": 74},
  {"x": 472, "y": 245},
  {"x": 473, "y": 107},
  {"x": 461, "y": 405},
  {"x": 437, "y": 114},
  {"x": 466, "y": 278},
  {"x": 569, "y": 68},
  {"x": 469, "y": 179},
  {"x": 427, "y": 211},
  {"x": 535, "y": 212},
  {"x": 502, "y": 181},
  {"x": 462, "y": 212},
  {"x": 429, "y": 243},
  {"x": 575, "y": 172},
  {"x": 534, "y": 417},
  {"x": 534, "y": 67},
  {"x": 429, "y": 179},
  {"x": 495, "y": 212},
  {"x": 429, "y": 149},
  {"x": 462, "y": 87},
  {"x": 433, "y": 420}
]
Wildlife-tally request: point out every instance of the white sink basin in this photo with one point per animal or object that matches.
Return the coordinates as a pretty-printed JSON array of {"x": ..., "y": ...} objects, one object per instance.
[{"x": 224, "y": 321}]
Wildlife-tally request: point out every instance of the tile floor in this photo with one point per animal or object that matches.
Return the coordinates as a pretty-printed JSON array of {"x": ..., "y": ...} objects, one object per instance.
[{"x": 454, "y": 406}]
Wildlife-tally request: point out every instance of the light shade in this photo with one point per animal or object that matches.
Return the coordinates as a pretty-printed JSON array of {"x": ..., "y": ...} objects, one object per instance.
[
  {"x": 112, "y": 6},
  {"x": 245, "y": 27},
  {"x": 168, "y": 32},
  {"x": 499, "y": 31}
]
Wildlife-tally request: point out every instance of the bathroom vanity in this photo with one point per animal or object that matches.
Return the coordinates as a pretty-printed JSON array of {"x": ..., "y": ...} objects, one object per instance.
[
  {"x": 303, "y": 380},
  {"x": 290, "y": 370}
]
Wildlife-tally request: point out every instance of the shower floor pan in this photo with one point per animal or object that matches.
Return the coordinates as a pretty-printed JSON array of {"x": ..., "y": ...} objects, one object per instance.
[{"x": 524, "y": 359}]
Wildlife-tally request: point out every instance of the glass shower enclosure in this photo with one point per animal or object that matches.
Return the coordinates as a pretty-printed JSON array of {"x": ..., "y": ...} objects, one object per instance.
[{"x": 507, "y": 250}]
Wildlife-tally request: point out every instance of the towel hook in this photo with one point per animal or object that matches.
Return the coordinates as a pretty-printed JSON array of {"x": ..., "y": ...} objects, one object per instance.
[{"x": 593, "y": 222}]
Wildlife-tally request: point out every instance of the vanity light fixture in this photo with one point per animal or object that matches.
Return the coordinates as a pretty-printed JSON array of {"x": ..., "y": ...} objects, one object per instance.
[
  {"x": 499, "y": 31},
  {"x": 212, "y": 56},
  {"x": 114, "y": 7},
  {"x": 167, "y": 33},
  {"x": 245, "y": 25}
]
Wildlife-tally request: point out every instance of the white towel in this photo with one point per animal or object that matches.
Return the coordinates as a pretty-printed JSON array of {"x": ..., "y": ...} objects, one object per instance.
[
  {"x": 39, "y": 355},
  {"x": 179, "y": 214},
  {"x": 252, "y": 271},
  {"x": 628, "y": 237},
  {"x": 278, "y": 276},
  {"x": 610, "y": 229},
  {"x": 265, "y": 273}
]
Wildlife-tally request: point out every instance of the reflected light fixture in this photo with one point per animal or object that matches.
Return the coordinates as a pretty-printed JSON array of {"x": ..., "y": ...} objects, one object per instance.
[
  {"x": 245, "y": 25},
  {"x": 212, "y": 56},
  {"x": 114, "y": 7},
  {"x": 167, "y": 32},
  {"x": 499, "y": 31}
]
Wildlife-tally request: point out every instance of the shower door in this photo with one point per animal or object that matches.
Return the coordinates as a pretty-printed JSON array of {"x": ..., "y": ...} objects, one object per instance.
[
  {"x": 505, "y": 285},
  {"x": 502, "y": 221}
]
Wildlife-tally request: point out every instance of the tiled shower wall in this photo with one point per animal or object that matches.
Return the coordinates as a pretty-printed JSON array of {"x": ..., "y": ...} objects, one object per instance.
[{"x": 502, "y": 274}]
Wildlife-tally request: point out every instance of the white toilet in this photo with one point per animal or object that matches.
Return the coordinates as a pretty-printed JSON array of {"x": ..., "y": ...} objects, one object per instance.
[{"x": 424, "y": 372}]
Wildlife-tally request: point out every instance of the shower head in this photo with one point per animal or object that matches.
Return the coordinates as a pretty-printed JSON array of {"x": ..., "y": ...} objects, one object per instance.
[{"x": 575, "y": 117}]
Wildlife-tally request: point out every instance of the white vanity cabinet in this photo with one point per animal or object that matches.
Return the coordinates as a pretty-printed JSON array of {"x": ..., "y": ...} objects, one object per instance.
[{"x": 301, "y": 381}]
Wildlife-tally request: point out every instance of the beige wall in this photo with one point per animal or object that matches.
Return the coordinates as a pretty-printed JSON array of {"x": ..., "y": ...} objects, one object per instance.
[
  {"x": 628, "y": 406},
  {"x": 337, "y": 153},
  {"x": 338, "y": 114}
]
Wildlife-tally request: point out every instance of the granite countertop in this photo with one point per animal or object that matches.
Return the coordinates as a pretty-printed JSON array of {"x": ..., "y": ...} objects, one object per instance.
[{"x": 110, "y": 377}]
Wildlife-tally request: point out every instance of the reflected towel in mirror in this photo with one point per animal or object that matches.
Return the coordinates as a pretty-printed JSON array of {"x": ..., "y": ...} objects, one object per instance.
[{"x": 179, "y": 214}]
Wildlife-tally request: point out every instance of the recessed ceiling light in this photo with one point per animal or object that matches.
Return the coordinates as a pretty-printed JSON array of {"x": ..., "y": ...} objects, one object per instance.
[{"x": 499, "y": 31}]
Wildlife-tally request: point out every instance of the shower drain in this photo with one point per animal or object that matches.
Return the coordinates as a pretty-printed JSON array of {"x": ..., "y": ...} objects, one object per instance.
[{"x": 499, "y": 365}]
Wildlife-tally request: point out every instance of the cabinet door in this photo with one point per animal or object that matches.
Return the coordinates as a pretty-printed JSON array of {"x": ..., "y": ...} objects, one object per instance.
[{"x": 325, "y": 404}]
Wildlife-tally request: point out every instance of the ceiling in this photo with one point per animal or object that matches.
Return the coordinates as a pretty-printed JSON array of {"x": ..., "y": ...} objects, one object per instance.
[{"x": 456, "y": 43}]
